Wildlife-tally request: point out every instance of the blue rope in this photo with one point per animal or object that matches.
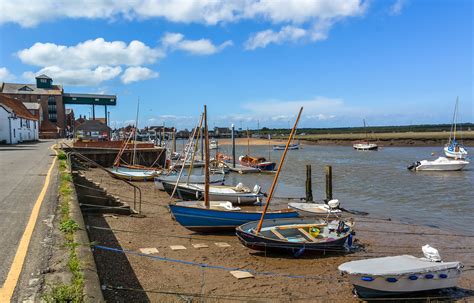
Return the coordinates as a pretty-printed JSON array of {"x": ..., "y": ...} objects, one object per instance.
[{"x": 204, "y": 265}]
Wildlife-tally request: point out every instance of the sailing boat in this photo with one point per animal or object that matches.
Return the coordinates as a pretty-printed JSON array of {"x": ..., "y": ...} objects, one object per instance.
[
  {"x": 454, "y": 149},
  {"x": 133, "y": 172},
  {"x": 365, "y": 144},
  {"x": 209, "y": 215},
  {"x": 295, "y": 235},
  {"x": 256, "y": 162}
]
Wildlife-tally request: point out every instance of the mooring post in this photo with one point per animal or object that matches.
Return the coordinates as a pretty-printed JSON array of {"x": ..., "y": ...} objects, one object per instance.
[
  {"x": 309, "y": 189},
  {"x": 233, "y": 146},
  {"x": 328, "y": 170}
]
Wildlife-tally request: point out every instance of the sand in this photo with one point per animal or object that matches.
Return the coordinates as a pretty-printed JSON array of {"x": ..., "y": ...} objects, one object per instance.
[{"x": 126, "y": 276}]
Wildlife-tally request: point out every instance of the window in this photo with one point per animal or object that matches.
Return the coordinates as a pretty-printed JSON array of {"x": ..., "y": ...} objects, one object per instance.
[
  {"x": 52, "y": 116},
  {"x": 43, "y": 81},
  {"x": 34, "y": 123},
  {"x": 21, "y": 122}
]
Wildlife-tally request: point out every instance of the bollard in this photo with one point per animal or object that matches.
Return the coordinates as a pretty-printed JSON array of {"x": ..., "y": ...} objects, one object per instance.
[
  {"x": 328, "y": 170},
  {"x": 309, "y": 190}
]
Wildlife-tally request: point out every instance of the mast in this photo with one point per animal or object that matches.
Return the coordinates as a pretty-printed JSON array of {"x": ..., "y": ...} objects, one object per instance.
[
  {"x": 280, "y": 166},
  {"x": 206, "y": 166},
  {"x": 452, "y": 133},
  {"x": 248, "y": 142},
  {"x": 191, "y": 166},
  {"x": 135, "y": 138}
]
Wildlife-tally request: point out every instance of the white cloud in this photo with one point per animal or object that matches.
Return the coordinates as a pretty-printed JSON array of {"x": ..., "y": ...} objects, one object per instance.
[
  {"x": 77, "y": 77},
  {"x": 263, "y": 38},
  {"x": 6, "y": 75},
  {"x": 137, "y": 73},
  {"x": 176, "y": 41},
  {"x": 29, "y": 13},
  {"x": 396, "y": 7},
  {"x": 90, "y": 53}
]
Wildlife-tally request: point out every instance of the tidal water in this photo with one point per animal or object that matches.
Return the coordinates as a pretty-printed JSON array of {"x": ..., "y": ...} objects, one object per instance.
[{"x": 377, "y": 182}]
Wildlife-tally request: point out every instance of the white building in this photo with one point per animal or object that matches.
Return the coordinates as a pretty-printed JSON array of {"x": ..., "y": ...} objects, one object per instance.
[{"x": 17, "y": 124}]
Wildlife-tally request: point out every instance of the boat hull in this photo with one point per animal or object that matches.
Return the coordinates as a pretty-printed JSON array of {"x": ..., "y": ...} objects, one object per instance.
[
  {"x": 258, "y": 242},
  {"x": 365, "y": 146},
  {"x": 196, "y": 179},
  {"x": 451, "y": 153},
  {"x": 133, "y": 174},
  {"x": 203, "y": 219},
  {"x": 380, "y": 287},
  {"x": 313, "y": 209},
  {"x": 190, "y": 194},
  {"x": 290, "y": 147}
]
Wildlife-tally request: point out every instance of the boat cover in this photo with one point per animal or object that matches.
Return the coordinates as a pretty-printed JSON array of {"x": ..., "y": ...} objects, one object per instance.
[{"x": 396, "y": 265}]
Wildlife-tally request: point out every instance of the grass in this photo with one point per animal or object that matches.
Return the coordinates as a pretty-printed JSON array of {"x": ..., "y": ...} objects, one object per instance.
[
  {"x": 73, "y": 291},
  {"x": 390, "y": 136}
]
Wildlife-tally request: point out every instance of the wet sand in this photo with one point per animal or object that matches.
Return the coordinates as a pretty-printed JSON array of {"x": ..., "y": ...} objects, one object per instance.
[{"x": 175, "y": 282}]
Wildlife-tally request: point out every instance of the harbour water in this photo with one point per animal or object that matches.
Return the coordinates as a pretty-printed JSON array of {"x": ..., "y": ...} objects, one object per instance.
[{"x": 377, "y": 182}]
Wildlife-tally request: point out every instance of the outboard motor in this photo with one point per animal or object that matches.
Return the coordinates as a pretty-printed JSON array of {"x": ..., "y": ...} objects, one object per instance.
[{"x": 414, "y": 165}]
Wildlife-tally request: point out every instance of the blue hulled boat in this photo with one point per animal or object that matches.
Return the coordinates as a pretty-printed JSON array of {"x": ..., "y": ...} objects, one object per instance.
[{"x": 220, "y": 216}]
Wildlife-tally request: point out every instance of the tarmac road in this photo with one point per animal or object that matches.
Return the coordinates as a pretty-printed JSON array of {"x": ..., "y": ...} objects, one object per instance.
[{"x": 23, "y": 170}]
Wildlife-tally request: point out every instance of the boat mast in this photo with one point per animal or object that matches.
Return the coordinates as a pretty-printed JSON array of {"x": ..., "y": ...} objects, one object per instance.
[
  {"x": 455, "y": 118},
  {"x": 280, "y": 166},
  {"x": 191, "y": 166},
  {"x": 135, "y": 138},
  {"x": 206, "y": 165}
]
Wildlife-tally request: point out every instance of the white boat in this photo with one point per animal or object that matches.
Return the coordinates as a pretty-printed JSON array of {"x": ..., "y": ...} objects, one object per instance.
[
  {"x": 195, "y": 179},
  {"x": 365, "y": 146},
  {"x": 316, "y": 209},
  {"x": 400, "y": 275},
  {"x": 440, "y": 164},
  {"x": 213, "y": 144},
  {"x": 133, "y": 174},
  {"x": 454, "y": 149}
]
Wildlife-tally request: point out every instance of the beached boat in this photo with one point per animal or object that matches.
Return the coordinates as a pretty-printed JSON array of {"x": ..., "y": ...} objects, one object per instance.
[
  {"x": 400, "y": 275},
  {"x": 296, "y": 235},
  {"x": 193, "y": 179},
  {"x": 282, "y": 147},
  {"x": 133, "y": 174},
  {"x": 235, "y": 194},
  {"x": 257, "y": 162},
  {"x": 440, "y": 164},
  {"x": 454, "y": 149},
  {"x": 195, "y": 216},
  {"x": 316, "y": 209}
]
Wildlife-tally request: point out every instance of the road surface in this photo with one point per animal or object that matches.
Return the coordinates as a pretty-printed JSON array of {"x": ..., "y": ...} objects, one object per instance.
[{"x": 23, "y": 170}]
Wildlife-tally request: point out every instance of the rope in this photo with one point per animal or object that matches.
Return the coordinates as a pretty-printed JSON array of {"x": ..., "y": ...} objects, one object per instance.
[{"x": 210, "y": 266}]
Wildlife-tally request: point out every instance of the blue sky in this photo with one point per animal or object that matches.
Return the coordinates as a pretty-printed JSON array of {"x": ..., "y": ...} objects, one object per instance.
[{"x": 253, "y": 62}]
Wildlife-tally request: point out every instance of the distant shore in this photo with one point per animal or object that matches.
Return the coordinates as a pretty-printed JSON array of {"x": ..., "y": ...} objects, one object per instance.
[{"x": 383, "y": 139}]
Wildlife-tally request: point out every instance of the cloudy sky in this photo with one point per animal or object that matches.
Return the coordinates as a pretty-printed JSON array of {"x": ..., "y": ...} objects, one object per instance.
[{"x": 253, "y": 62}]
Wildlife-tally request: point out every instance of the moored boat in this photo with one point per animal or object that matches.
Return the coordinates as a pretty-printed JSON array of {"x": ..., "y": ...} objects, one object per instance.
[
  {"x": 290, "y": 147},
  {"x": 195, "y": 216},
  {"x": 235, "y": 194},
  {"x": 133, "y": 174},
  {"x": 440, "y": 164},
  {"x": 296, "y": 235},
  {"x": 194, "y": 179},
  {"x": 454, "y": 149},
  {"x": 316, "y": 209},
  {"x": 364, "y": 145},
  {"x": 400, "y": 275},
  {"x": 257, "y": 162}
]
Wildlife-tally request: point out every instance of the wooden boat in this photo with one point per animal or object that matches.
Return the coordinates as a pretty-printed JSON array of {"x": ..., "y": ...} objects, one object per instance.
[
  {"x": 454, "y": 149},
  {"x": 235, "y": 194},
  {"x": 194, "y": 179},
  {"x": 282, "y": 147},
  {"x": 133, "y": 174},
  {"x": 440, "y": 164},
  {"x": 400, "y": 275},
  {"x": 220, "y": 216},
  {"x": 295, "y": 235},
  {"x": 315, "y": 209},
  {"x": 257, "y": 162}
]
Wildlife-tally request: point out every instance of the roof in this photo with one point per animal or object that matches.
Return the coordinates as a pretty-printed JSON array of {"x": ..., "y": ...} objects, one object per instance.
[
  {"x": 48, "y": 126},
  {"x": 16, "y": 107},
  {"x": 43, "y": 76},
  {"x": 30, "y": 89},
  {"x": 32, "y": 105},
  {"x": 93, "y": 125},
  {"x": 73, "y": 95}
]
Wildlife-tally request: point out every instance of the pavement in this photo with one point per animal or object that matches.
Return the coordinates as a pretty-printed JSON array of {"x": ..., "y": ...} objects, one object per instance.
[{"x": 23, "y": 170}]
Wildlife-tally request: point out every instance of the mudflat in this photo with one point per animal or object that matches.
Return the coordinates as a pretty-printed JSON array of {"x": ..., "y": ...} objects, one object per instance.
[{"x": 135, "y": 277}]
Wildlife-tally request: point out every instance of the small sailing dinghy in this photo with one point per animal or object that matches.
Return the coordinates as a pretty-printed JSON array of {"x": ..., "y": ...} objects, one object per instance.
[
  {"x": 129, "y": 174},
  {"x": 194, "y": 179},
  {"x": 282, "y": 147},
  {"x": 453, "y": 148},
  {"x": 440, "y": 164},
  {"x": 237, "y": 194},
  {"x": 399, "y": 275},
  {"x": 209, "y": 215},
  {"x": 294, "y": 235},
  {"x": 365, "y": 144},
  {"x": 316, "y": 209}
]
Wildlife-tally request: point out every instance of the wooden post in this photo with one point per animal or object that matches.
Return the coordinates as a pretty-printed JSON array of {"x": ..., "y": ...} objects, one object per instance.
[
  {"x": 328, "y": 170},
  {"x": 309, "y": 189}
]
